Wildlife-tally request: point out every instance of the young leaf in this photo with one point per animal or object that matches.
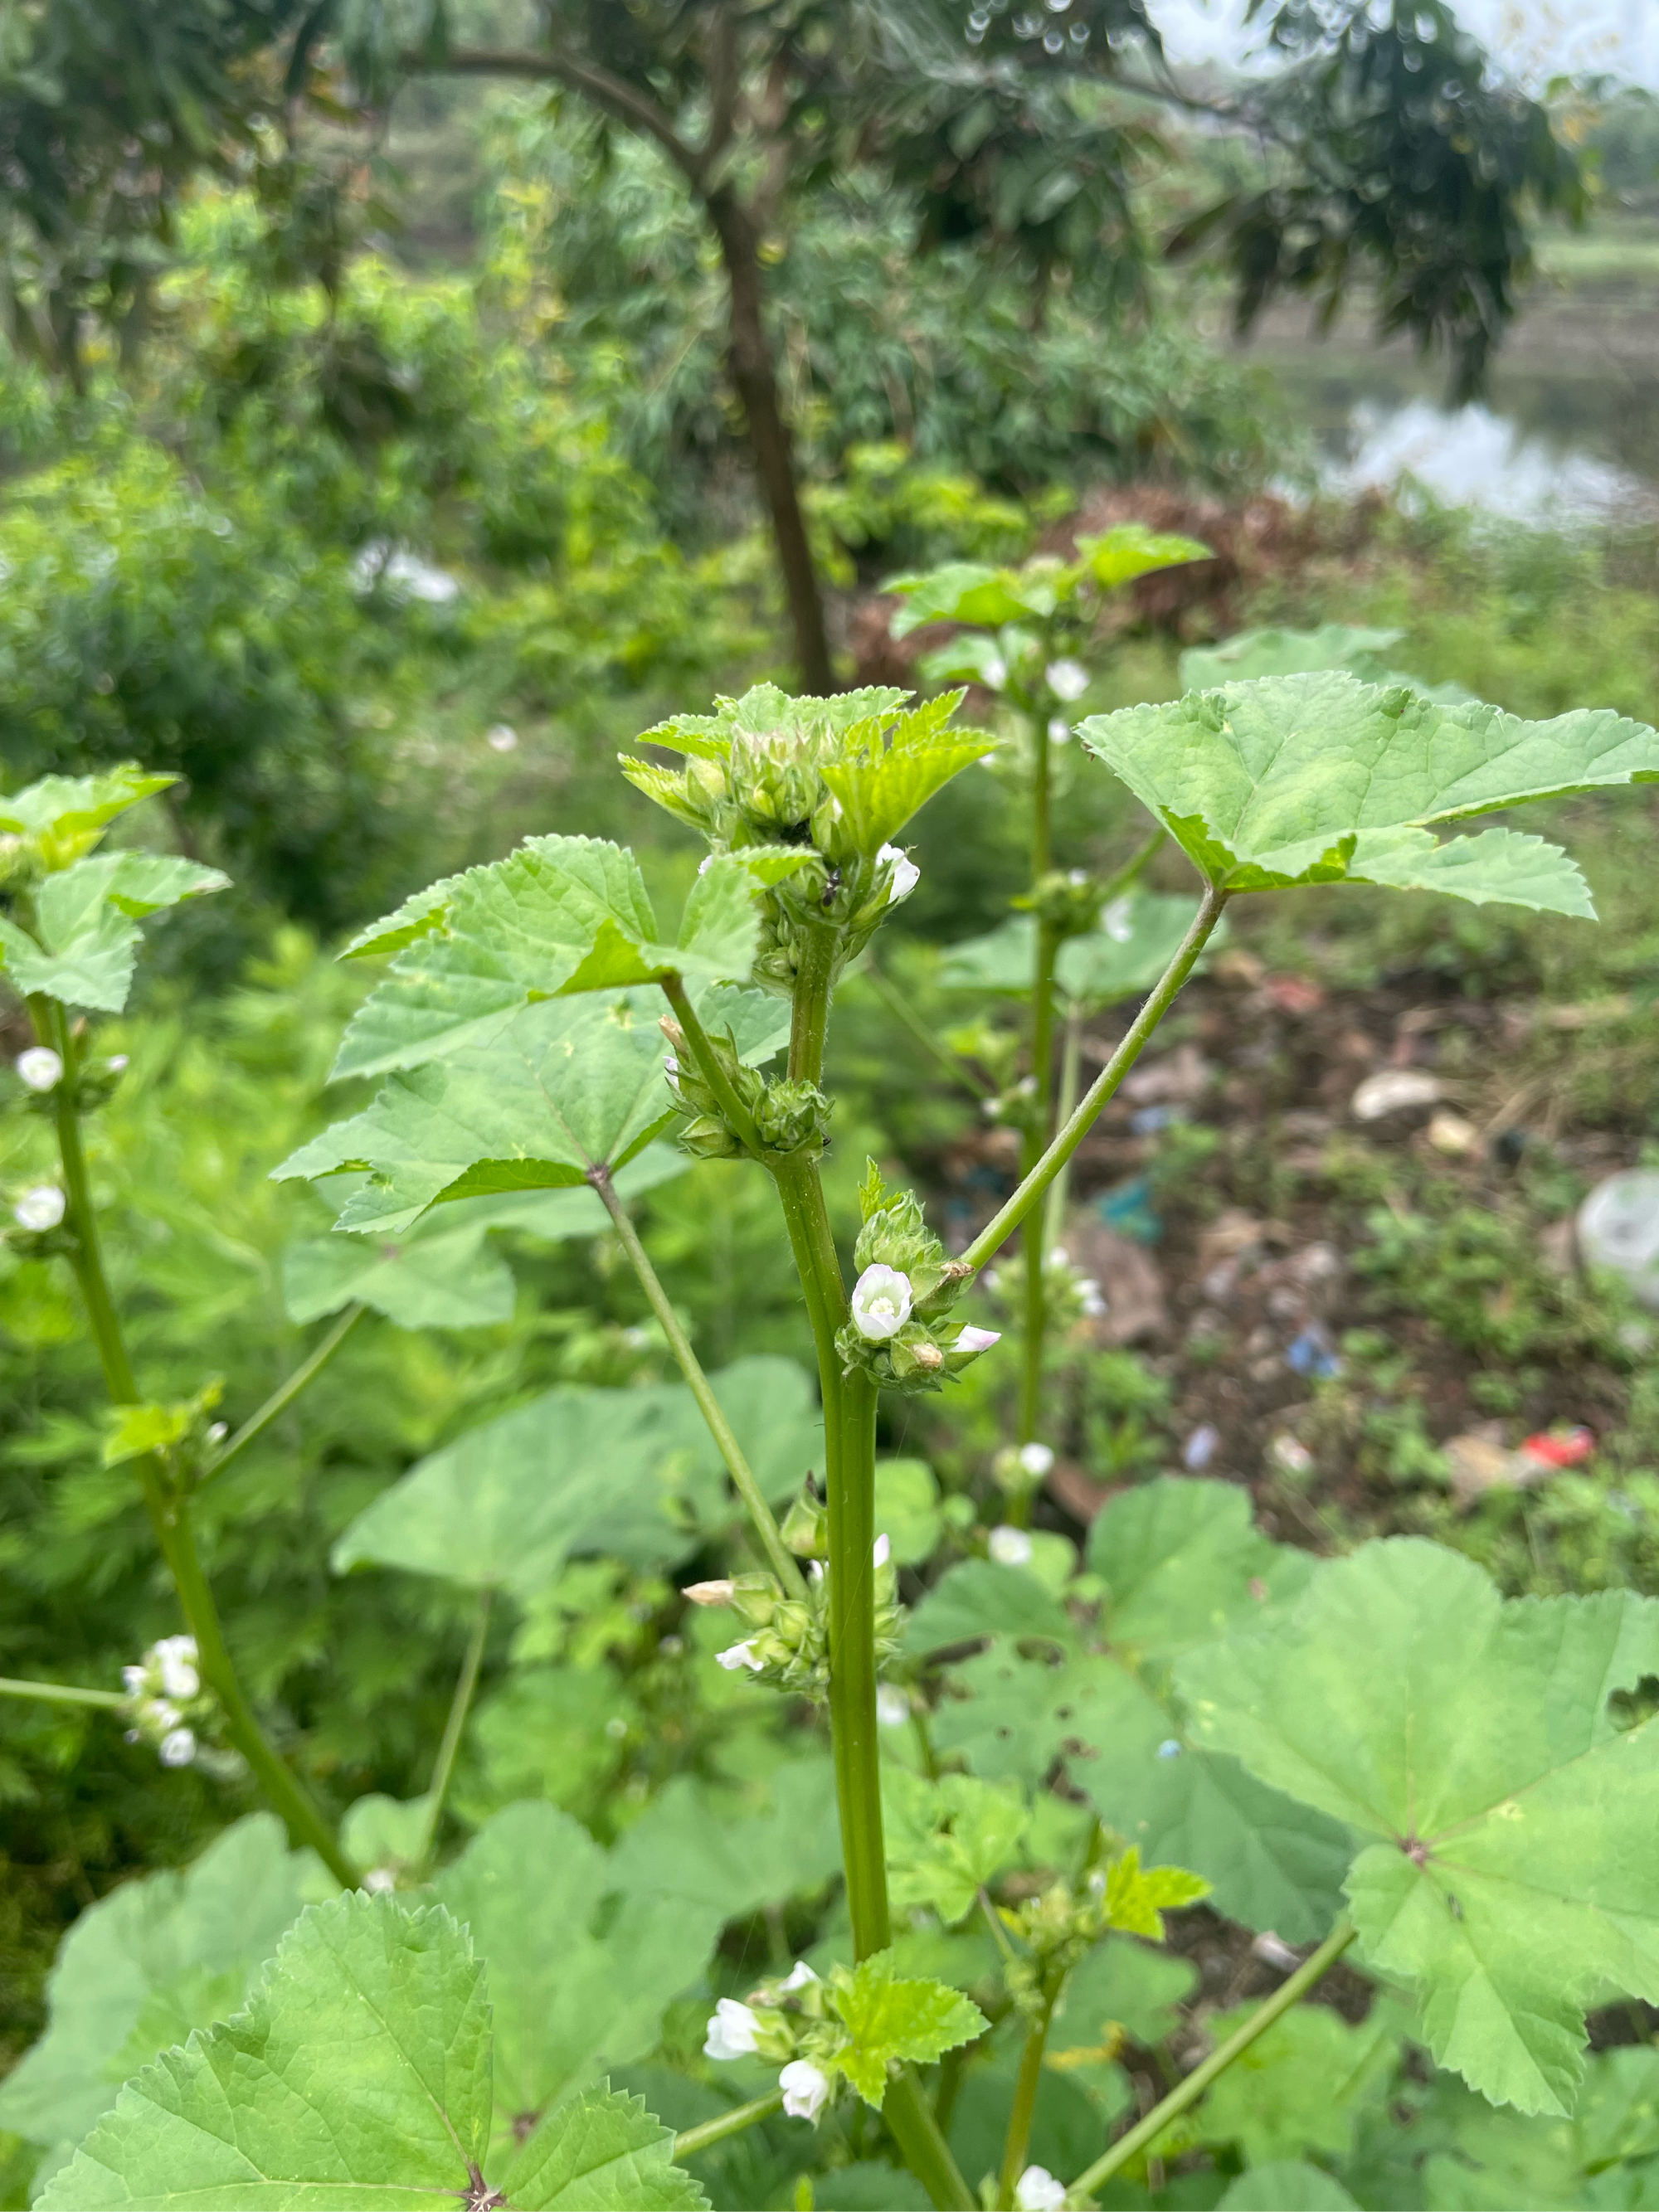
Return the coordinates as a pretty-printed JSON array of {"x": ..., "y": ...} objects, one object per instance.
[
  {"x": 947, "y": 1839},
  {"x": 960, "y": 591},
  {"x": 87, "y": 915},
  {"x": 143, "y": 1966},
  {"x": 564, "y": 1087},
  {"x": 1323, "y": 779},
  {"x": 63, "y": 817},
  {"x": 880, "y": 792},
  {"x": 1508, "y": 1878},
  {"x": 1114, "y": 557},
  {"x": 1138, "y": 1898},
  {"x": 893, "y": 2022}
]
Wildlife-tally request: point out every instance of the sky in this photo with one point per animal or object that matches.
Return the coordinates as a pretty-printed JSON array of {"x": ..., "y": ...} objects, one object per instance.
[{"x": 1534, "y": 39}]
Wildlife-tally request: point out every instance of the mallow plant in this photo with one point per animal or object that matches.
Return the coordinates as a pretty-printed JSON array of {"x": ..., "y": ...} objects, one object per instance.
[{"x": 1033, "y": 1760}]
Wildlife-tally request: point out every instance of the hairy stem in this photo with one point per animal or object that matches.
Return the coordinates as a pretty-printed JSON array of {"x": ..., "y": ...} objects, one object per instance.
[
  {"x": 1190, "y": 2090},
  {"x": 286, "y": 1392},
  {"x": 900, "y": 1007},
  {"x": 1071, "y": 1072},
  {"x": 781, "y": 1559},
  {"x": 1009, "y": 1216},
  {"x": 460, "y": 1704},
  {"x": 808, "y": 1017},
  {"x": 691, "y": 2141},
  {"x": 168, "y": 1511},
  {"x": 1027, "y": 2083},
  {"x": 61, "y": 1694},
  {"x": 708, "y": 1066}
]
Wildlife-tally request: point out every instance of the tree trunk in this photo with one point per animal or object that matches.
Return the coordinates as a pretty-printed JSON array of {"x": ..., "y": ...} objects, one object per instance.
[{"x": 754, "y": 375}]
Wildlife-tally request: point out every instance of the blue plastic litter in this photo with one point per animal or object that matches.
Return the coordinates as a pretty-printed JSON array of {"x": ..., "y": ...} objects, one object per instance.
[
  {"x": 1312, "y": 1354},
  {"x": 1129, "y": 1210}
]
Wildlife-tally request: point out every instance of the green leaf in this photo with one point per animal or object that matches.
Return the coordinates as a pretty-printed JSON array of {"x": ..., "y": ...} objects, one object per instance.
[
  {"x": 947, "y": 1839},
  {"x": 1287, "y": 2185},
  {"x": 1114, "y": 557},
  {"x": 564, "y": 1087},
  {"x": 574, "y": 1471},
  {"x": 961, "y": 591},
  {"x": 1318, "y": 778},
  {"x": 1304, "y": 2086},
  {"x": 556, "y": 1732},
  {"x": 86, "y": 914},
  {"x": 579, "y": 1211},
  {"x": 689, "y": 1849},
  {"x": 907, "y": 1509},
  {"x": 358, "y": 2075},
  {"x": 1137, "y": 1897},
  {"x": 719, "y": 934},
  {"x": 979, "y": 1598},
  {"x": 1508, "y": 1880},
  {"x": 1251, "y": 653},
  {"x": 1121, "y": 1984},
  {"x": 1139, "y": 938},
  {"x": 576, "y": 1985},
  {"x": 880, "y": 792},
  {"x": 440, "y": 1273},
  {"x": 143, "y": 1966},
  {"x": 385, "y": 1833},
  {"x": 63, "y": 815},
  {"x": 896, "y": 2022}
]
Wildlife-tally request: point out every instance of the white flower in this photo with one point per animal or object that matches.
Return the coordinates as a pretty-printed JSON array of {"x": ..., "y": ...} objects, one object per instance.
[
  {"x": 993, "y": 671},
  {"x": 1037, "y": 2191},
  {"x": 705, "y": 864},
  {"x": 1068, "y": 679},
  {"x": 378, "y": 1880},
  {"x": 217, "y": 1432},
  {"x": 1009, "y": 1547},
  {"x": 40, "y": 1067},
  {"x": 732, "y": 2031},
  {"x": 178, "y": 1747},
  {"x": 1117, "y": 920},
  {"x": 160, "y": 1714},
  {"x": 1036, "y": 1459},
  {"x": 117, "y": 1063},
  {"x": 977, "y": 1340},
  {"x": 882, "y": 1550},
  {"x": 798, "y": 1976},
  {"x": 1090, "y": 1297},
  {"x": 1059, "y": 731},
  {"x": 906, "y": 874},
  {"x": 502, "y": 737},
  {"x": 806, "y": 2089},
  {"x": 43, "y": 1208},
  {"x": 134, "y": 1679},
  {"x": 881, "y": 1303},
  {"x": 892, "y": 1707},
  {"x": 738, "y": 1655},
  {"x": 175, "y": 1664}
]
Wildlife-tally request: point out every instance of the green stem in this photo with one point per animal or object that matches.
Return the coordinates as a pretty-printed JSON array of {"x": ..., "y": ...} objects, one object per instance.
[
  {"x": 459, "y": 1705},
  {"x": 809, "y": 1019},
  {"x": 1071, "y": 1071},
  {"x": 783, "y": 1562},
  {"x": 1134, "y": 867},
  {"x": 1027, "y": 2083},
  {"x": 691, "y": 2141},
  {"x": 285, "y": 1392},
  {"x": 708, "y": 1066},
  {"x": 1042, "y": 1058},
  {"x": 1193, "y": 2087},
  {"x": 60, "y": 1693},
  {"x": 900, "y": 1007},
  {"x": 168, "y": 1512},
  {"x": 911, "y": 2121},
  {"x": 1009, "y": 1216}
]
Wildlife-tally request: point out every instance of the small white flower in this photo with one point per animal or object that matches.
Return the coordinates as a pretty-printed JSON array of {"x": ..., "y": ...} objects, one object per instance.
[
  {"x": 892, "y": 1707},
  {"x": 882, "y": 1550},
  {"x": 993, "y": 671},
  {"x": 881, "y": 1303},
  {"x": 733, "y": 2031},
  {"x": 43, "y": 1208},
  {"x": 977, "y": 1340},
  {"x": 502, "y": 738},
  {"x": 40, "y": 1067},
  {"x": 217, "y": 1432},
  {"x": 1036, "y": 1459},
  {"x": 178, "y": 1747},
  {"x": 133, "y": 1677},
  {"x": 798, "y": 1976},
  {"x": 906, "y": 874},
  {"x": 160, "y": 1714},
  {"x": 738, "y": 1655},
  {"x": 815, "y": 1568},
  {"x": 1068, "y": 679},
  {"x": 1059, "y": 1256},
  {"x": 175, "y": 1665},
  {"x": 1090, "y": 1297},
  {"x": 1059, "y": 731},
  {"x": 378, "y": 1880},
  {"x": 1009, "y": 1547},
  {"x": 1118, "y": 919},
  {"x": 117, "y": 1063},
  {"x": 1037, "y": 2191},
  {"x": 806, "y": 2089},
  {"x": 1169, "y": 1749}
]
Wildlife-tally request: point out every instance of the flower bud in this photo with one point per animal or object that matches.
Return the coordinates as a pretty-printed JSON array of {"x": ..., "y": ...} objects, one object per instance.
[
  {"x": 1009, "y": 1547},
  {"x": 806, "y": 2089},
  {"x": 40, "y": 1209},
  {"x": 733, "y": 2031},
  {"x": 40, "y": 1068}
]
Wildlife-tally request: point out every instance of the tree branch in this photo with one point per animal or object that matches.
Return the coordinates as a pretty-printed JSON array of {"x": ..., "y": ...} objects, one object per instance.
[{"x": 614, "y": 94}]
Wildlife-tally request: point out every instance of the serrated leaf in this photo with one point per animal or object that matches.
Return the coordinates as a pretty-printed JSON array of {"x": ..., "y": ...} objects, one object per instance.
[
  {"x": 86, "y": 914},
  {"x": 1251, "y": 653},
  {"x": 1303, "y": 2086},
  {"x": 947, "y": 1839},
  {"x": 1509, "y": 1878},
  {"x": 1504, "y": 867},
  {"x": 1305, "y": 779},
  {"x": 1182, "y": 1562},
  {"x": 64, "y": 816},
  {"x": 960, "y": 590},
  {"x": 576, "y": 1985},
  {"x": 600, "y": 2153},
  {"x": 879, "y": 793},
  {"x": 576, "y": 1471},
  {"x": 555, "y": 1215},
  {"x": 1116, "y": 557},
  {"x": 1138, "y": 1897},
  {"x": 143, "y": 1966},
  {"x": 438, "y": 1277},
  {"x": 419, "y": 915},
  {"x": 564, "y": 1086},
  {"x": 896, "y": 2022}
]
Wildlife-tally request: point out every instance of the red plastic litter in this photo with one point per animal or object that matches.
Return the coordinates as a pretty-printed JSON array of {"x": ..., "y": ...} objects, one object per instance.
[{"x": 1561, "y": 1447}]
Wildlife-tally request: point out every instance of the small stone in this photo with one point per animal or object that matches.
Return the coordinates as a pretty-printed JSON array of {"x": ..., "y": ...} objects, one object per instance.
[
  {"x": 1395, "y": 1091},
  {"x": 1452, "y": 1134}
]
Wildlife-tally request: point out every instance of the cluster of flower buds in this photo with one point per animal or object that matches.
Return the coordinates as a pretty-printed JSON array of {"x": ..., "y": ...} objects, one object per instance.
[
  {"x": 1016, "y": 1107},
  {"x": 1019, "y": 1470},
  {"x": 787, "y": 2020},
  {"x": 1068, "y": 1294},
  {"x": 768, "y": 770},
  {"x": 1066, "y": 900},
  {"x": 168, "y": 1705},
  {"x": 787, "y": 1645},
  {"x": 40, "y": 1071},
  {"x": 900, "y": 1332},
  {"x": 791, "y": 1116}
]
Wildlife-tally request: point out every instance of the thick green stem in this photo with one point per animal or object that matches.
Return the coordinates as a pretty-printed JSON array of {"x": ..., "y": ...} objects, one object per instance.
[
  {"x": 691, "y": 2141},
  {"x": 1027, "y": 2083},
  {"x": 61, "y": 1694},
  {"x": 900, "y": 1007},
  {"x": 460, "y": 1704},
  {"x": 708, "y": 1066},
  {"x": 167, "y": 1509},
  {"x": 1189, "y": 2091},
  {"x": 286, "y": 1392},
  {"x": 1009, "y": 1216},
  {"x": 809, "y": 1020},
  {"x": 783, "y": 1560}
]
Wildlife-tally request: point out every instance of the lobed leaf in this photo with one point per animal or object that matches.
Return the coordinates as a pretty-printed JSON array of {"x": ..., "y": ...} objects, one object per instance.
[
  {"x": 947, "y": 1839},
  {"x": 1508, "y": 1878},
  {"x": 1116, "y": 557},
  {"x": 959, "y": 590},
  {"x": 63, "y": 815},
  {"x": 879, "y": 793},
  {"x": 1138, "y": 1898},
  {"x": 1318, "y": 778},
  {"x": 86, "y": 914},
  {"x": 433, "y": 1277},
  {"x": 894, "y": 2022}
]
